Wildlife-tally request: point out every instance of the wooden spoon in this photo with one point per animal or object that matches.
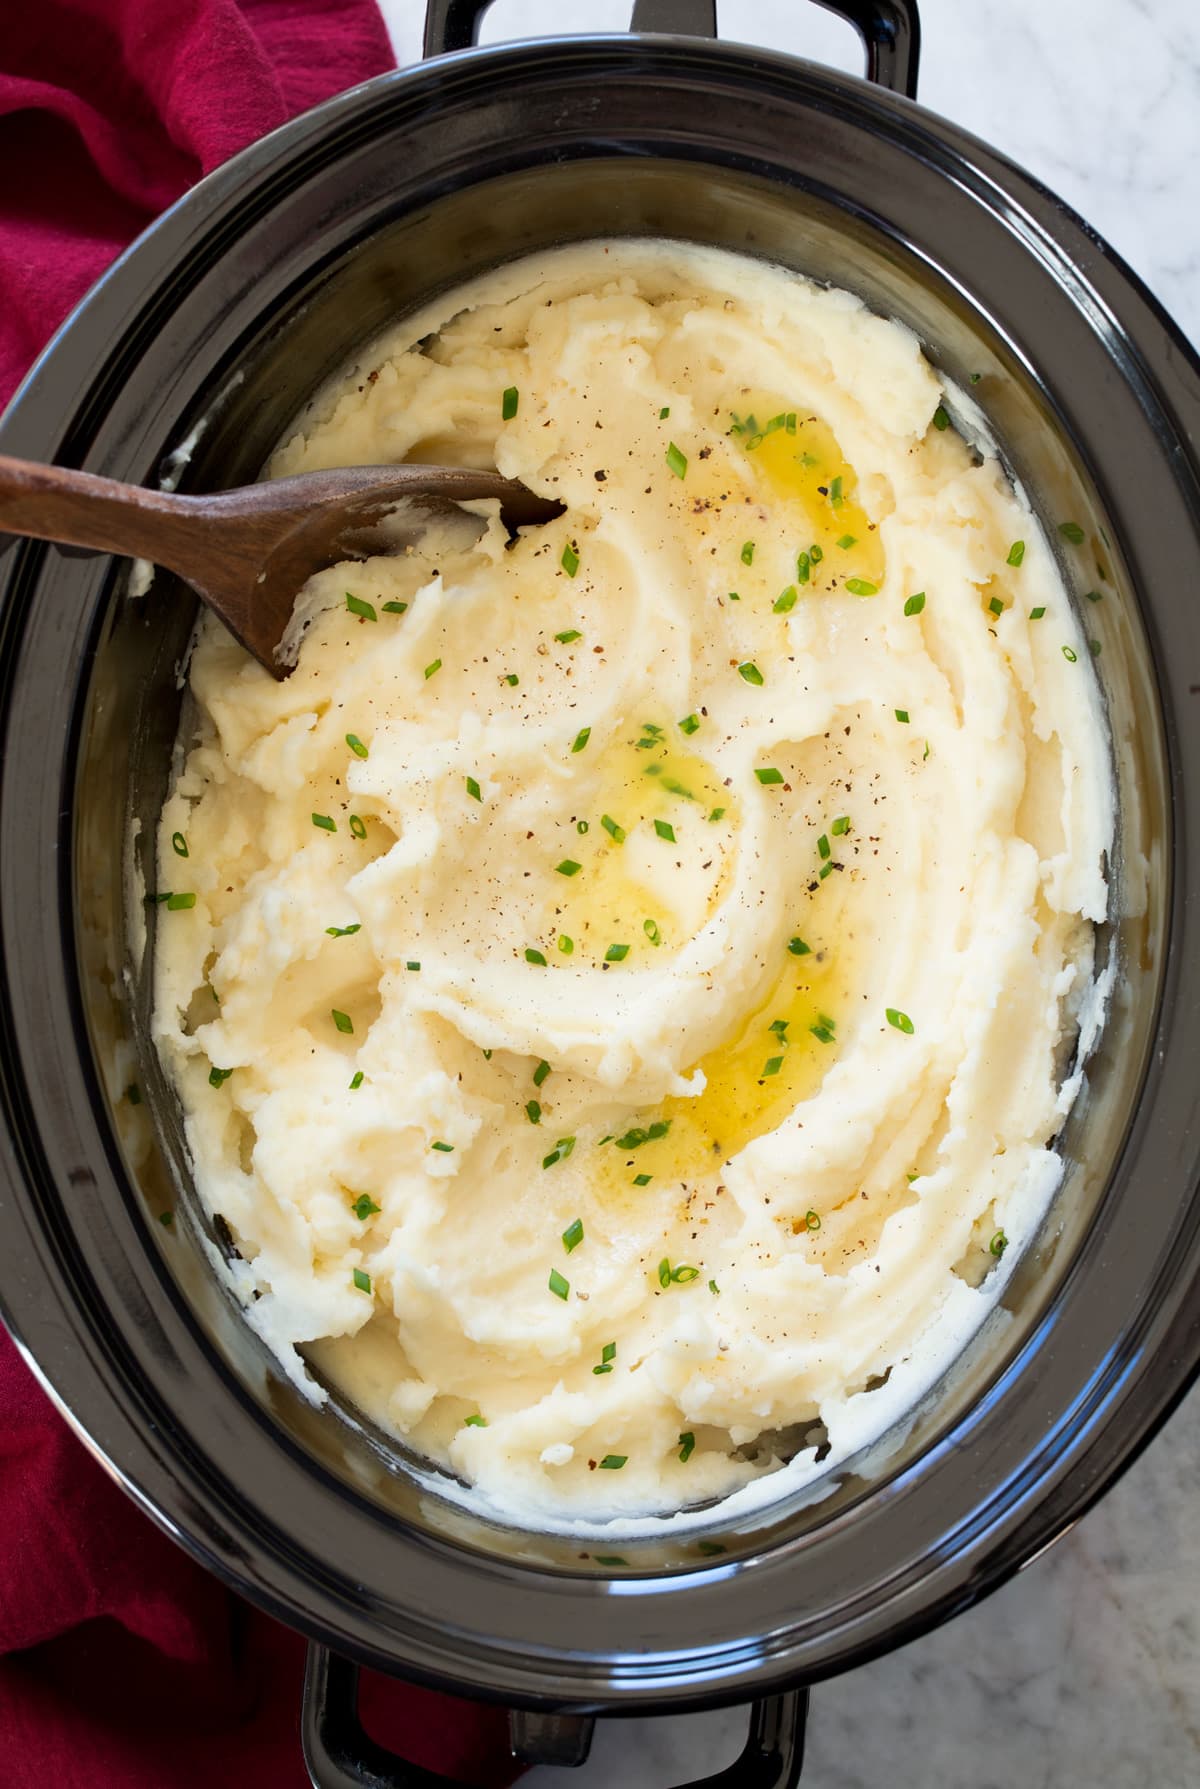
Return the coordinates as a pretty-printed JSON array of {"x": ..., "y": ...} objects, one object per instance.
[{"x": 246, "y": 552}]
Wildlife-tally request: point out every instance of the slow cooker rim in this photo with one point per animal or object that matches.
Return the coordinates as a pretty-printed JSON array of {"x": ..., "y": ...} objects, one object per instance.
[{"x": 27, "y": 394}]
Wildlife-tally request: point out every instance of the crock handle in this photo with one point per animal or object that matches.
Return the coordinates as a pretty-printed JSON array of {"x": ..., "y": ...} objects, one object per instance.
[
  {"x": 339, "y": 1754},
  {"x": 890, "y": 30}
]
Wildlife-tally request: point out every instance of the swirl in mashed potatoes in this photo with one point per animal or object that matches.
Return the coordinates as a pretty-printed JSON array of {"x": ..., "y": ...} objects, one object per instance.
[{"x": 634, "y": 970}]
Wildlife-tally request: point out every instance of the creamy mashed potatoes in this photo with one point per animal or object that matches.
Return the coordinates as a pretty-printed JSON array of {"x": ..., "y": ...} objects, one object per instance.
[{"x": 634, "y": 971}]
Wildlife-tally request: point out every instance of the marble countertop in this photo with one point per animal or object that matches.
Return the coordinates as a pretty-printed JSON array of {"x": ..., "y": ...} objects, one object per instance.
[{"x": 1085, "y": 1670}]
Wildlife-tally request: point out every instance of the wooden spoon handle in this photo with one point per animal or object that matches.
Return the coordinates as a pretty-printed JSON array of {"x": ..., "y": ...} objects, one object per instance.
[{"x": 81, "y": 510}]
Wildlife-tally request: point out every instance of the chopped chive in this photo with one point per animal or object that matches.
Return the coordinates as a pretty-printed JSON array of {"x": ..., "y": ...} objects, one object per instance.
[
  {"x": 652, "y": 932},
  {"x": 861, "y": 587},
  {"x": 1068, "y": 653},
  {"x": 362, "y": 1280},
  {"x": 568, "y": 635},
  {"x": 940, "y": 420},
  {"x": 998, "y": 1244},
  {"x": 565, "y": 944},
  {"x": 901, "y": 714},
  {"x": 1036, "y": 614},
  {"x": 677, "y": 461},
  {"x": 540, "y": 1073},
  {"x": 179, "y": 903},
  {"x": 1016, "y": 553},
  {"x": 581, "y": 739},
  {"x": 772, "y": 1066},
  {"x": 535, "y": 956},
  {"x": 414, "y": 966},
  {"x": 608, "y": 1353},
  {"x": 835, "y": 493},
  {"x": 343, "y": 931},
  {"x": 615, "y": 832},
  {"x": 901, "y": 1021},
  {"x": 431, "y": 670},
  {"x": 558, "y": 1285},
  {"x": 822, "y": 1033},
  {"x": 664, "y": 413},
  {"x": 847, "y": 541},
  {"x": 473, "y": 789},
  {"x": 1071, "y": 531},
  {"x": 748, "y": 552},
  {"x": 664, "y": 1273},
  {"x": 914, "y": 604},
  {"x": 364, "y": 1207},
  {"x": 581, "y": 826},
  {"x": 395, "y": 608},
  {"x": 356, "y": 1080},
  {"x": 840, "y": 826},
  {"x": 816, "y": 554},
  {"x": 689, "y": 724},
  {"x": 218, "y": 1076},
  {"x": 613, "y": 1462},
  {"x": 790, "y": 422},
  {"x": 487, "y": 1055},
  {"x": 717, "y": 814},
  {"x": 734, "y": 597},
  {"x": 443, "y": 1148},
  {"x": 179, "y": 844},
  {"x": 826, "y": 869},
  {"x": 811, "y": 1220},
  {"x": 779, "y": 1028},
  {"x": 642, "y": 1179},
  {"x": 568, "y": 867},
  {"x": 803, "y": 570},
  {"x": 975, "y": 378},
  {"x": 823, "y": 847},
  {"x": 616, "y": 953},
  {"x": 687, "y": 1446},
  {"x": 356, "y": 745},
  {"x": 1094, "y": 648},
  {"x": 570, "y": 560},
  {"x": 665, "y": 830},
  {"x": 1094, "y": 596},
  {"x": 475, "y": 1422},
  {"x": 325, "y": 822},
  {"x": 995, "y": 606},
  {"x": 798, "y": 948},
  {"x": 512, "y": 679},
  {"x": 357, "y": 606},
  {"x": 358, "y": 827},
  {"x": 785, "y": 600},
  {"x": 572, "y": 1236},
  {"x": 683, "y": 1275},
  {"x": 166, "y": 1219},
  {"x": 751, "y": 673},
  {"x": 560, "y": 1152},
  {"x": 714, "y": 1288},
  {"x": 509, "y": 402},
  {"x": 533, "y": 1111},
  {"x": 768, "y": 774}
]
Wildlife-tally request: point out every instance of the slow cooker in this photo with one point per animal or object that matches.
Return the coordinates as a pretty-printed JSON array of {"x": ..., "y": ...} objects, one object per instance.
[{"x": 188, "y": 360}]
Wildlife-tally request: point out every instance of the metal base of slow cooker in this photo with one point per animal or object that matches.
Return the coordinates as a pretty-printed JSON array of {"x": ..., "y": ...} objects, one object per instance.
[{"x": 217, "y": 326}]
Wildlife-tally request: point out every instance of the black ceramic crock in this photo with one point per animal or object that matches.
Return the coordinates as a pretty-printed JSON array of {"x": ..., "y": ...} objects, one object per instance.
[{"x": 211, "y": 331}]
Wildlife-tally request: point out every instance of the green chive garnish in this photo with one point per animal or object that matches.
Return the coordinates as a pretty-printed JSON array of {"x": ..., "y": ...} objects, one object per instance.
[
  {"x": 179, "y": 844},
  {"x": 540, "y": 1073},
  {"x": 475, "y": 1422},
  {"x": 443, "y": 1148},
  {"x": 509, "y": 402},
  {"x": 664, "y": 413},
  {"x": 615, "y": 832},
  {"x": 357, "y": 606},
  {"x": 652, "y": 932},
  {"x": 364, "y": 1207},
  {"x": 665, "y": 830},
  {"x": 412, "y": 965},
  {"x": 570, "y": 560},
  {"x": 218, "y": 1076},
  {"x": 362, "y": 1280},
  {"x": 717, "y": 814},
  {"x": 998, "y": 1244},
  {"x": 901, "y": 714},
  {"x": 714, "y": 1288},
  {"x": 568, "y": 867},
  {"x": 1016, "y": 552},
  {"x": 1067, "y": 653},
  {"x": 840, "y": 826},
  {"x": 846, "y": 542},
  {"x": 565, "y": 944},
  {"x": 561, "y": 1288},
  {"x": 687, "y": 1446},
  {"x": 473, "y": 789},
  {"x": 751, "y": 673},
  {"x": 568, "y": 635},
  {"x": 533, "y": 1111},
  {"x": 995, "y": 606},
  {"x": 835, "y": 493},
  {"x": 358, "y": 827},
  {"x": 682, "y": 1275},
  {"x": 940, "y": 420},
  {"x": 613, "y": 1462},
  {"x": 572, "y": 1236},
  {"x": 785, "y": 600},
  {"x": 861, "y": 587},
  {"x": 915, "y": 604},
  {"x": 1094, "y": 596},
  {"x": 535, "y": 956},
  {"x": 430, "y": 670},
  {"x": 342, "y": 931},
  {"x": 581, "y": 739},
  {"x": 616, "y": 953},
  {"x": 356, "y": 1081},
  {"x": 748, "y": 552},
  {"x": 689, "y": 724},
  {"x": 1036, "y": 614},
  {"x": 811, "y": 1220},
  {"x": 773, "y": 1066},
  {"x": 803, "y": 570},
  {"x": 1073, "y": 532},
  {"x": 798, "y": 948},
  {"x": 642, "y": 1179},
  {"x": 560, "y": 1152},
  {"x": 166, "y": 1219},
  {"x": 325, "y": 822},
  {"x": 179, "y": 903},
  {"x": 395, "y": 608},
  {"x": 512, "y": 679},
  {"x": 677, "y": 461},
  {"x": 768, "y": 774},
  {"x": 900, "y": 1020},
  {"x": 356, "y": 745},
  {"x": 823, "y": 847}
]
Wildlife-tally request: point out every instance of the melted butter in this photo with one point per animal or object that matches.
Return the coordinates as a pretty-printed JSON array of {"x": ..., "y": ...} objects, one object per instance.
[
  {"x": 796, "y": 1028},
  {"x": 799, "y": 459},
  {"x": 645, "y": 776}
]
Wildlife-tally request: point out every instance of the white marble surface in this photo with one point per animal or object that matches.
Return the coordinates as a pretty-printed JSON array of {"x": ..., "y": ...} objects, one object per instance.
[{"x": 1084, "y": 1673}]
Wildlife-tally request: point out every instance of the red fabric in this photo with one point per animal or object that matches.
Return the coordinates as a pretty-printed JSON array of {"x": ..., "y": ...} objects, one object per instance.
[{"x": 123, "y": 1665}]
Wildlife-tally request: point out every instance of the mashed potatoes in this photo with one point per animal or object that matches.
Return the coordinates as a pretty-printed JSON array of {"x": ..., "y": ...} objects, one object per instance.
[{"x": 632, "y": 974}]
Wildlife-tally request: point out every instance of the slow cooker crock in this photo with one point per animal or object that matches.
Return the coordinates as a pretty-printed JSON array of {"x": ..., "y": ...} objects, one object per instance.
[{"x": 190, "y": 358}]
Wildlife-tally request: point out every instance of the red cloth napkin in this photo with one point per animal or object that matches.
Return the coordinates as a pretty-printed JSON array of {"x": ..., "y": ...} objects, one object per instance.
[{"x": 123, "y": 1665}]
